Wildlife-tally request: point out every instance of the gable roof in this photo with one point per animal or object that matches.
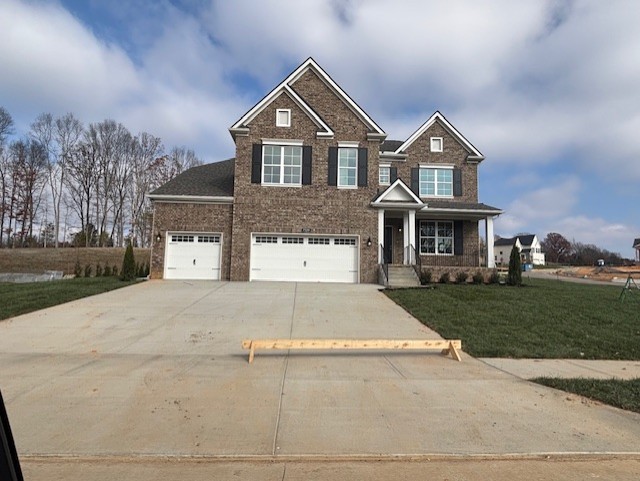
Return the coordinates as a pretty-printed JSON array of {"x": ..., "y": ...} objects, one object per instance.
[
  {"x": 636, "y": 242},
  {"x": 474, "y": 154},
  {"x": 390, "y": 145},
  {"x": 208, "y": 180},
  {"x": 525, "y": 240},
  {"x": 241, "y": 127},
  {"x": 398, "y": 194}
]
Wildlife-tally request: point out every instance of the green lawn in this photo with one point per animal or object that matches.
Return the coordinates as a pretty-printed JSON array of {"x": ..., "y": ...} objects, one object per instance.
[
  {"x": 16, "y": 299},
  {"x": 543, "y": 319},
  {"x": 615, "y": 392}
]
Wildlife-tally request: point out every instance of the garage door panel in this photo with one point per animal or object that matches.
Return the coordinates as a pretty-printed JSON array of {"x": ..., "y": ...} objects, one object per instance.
[
  {"x": 193, "y": 256},
  {"x": 304, "y": 259}
]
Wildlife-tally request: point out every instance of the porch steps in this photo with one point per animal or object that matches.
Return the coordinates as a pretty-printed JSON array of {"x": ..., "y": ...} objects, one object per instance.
[{"x": 402, "y": 276}]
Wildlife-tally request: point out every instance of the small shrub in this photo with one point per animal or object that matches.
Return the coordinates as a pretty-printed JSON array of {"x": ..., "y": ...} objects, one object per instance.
[
  {"x": 128, "y": 272},
  {"x": 107, "y": 271},
  {"x": 77, "y": 269},
  {"x": 478, "y": 277},
  {"x": 87, "y": 270},
  {"x": 494, "y": 278},
  {"x": 114, "y": 271},
  {"x": 444, "y": 277},
  {"x": 98, "y": 270},
  {"x": 426, "y": 277},
  {"x": 461, "y": 277}
]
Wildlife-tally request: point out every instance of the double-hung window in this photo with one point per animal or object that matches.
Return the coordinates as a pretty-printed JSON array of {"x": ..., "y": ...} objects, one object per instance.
[
  {"x": 436, "y": 237},
  {"x": 436, "y": 182},
  {"x": 384, "y": 175},
  {"x": 347, "y": 167},
  {"x": 282, "y": 165}
]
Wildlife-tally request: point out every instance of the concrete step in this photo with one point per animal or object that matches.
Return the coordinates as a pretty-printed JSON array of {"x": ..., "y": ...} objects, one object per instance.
[{"x": 402, "y": 276}]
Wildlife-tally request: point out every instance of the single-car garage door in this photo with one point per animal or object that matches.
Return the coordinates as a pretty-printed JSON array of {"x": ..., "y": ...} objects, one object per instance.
[
  {"x": 304, "y": 258},
  {"x": 192, "y": 256}
]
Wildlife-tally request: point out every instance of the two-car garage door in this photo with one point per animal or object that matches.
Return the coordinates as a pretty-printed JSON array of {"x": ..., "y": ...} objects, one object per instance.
[
  {"x": 304, "y": 258},
  {"x": 193, "y": 256}
]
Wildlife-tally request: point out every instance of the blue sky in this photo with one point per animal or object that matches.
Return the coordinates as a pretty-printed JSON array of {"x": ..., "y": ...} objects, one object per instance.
[{"x": 548, "y": 91}]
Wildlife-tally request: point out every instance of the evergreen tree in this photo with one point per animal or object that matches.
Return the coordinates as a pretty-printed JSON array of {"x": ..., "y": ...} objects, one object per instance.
[
  {"x": 128, "y": 271},
  {"x": 515, "y": 268}
]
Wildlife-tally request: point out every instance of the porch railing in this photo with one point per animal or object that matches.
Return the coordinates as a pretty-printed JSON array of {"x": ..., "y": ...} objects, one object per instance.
[
  {"x": 414, "y": 260},
  {"x": 384, "y": 264}
]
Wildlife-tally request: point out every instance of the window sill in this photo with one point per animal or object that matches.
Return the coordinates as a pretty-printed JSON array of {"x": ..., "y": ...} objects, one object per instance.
[
  {"x": 280, "y": 185},
  {"x": 347, "y": 187}
]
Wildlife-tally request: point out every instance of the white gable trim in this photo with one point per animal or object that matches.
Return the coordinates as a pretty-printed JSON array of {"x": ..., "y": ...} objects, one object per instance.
[
  {"x": 241, "y": 125},
  {"x": 437, "y": 116},
  {"x": 414, "y": 201},
  {"x": 285, "y": 86}
]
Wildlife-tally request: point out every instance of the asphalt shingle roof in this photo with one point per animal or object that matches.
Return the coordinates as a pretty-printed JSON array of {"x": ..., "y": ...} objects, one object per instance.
[
  {"x": 445, "y": 204},
  {"x": 213, "y": 180},
  {"x": 636, "y": 242},
  {"x": 390, "y": 145},
  {"x": 525, "y": 240}
]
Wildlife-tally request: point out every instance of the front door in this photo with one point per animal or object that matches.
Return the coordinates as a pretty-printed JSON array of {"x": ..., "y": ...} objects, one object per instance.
[{"x": 388, "y": 244}]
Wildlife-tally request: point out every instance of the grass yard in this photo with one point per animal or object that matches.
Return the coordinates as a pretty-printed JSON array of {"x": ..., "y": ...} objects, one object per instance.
[
  {"x": 19, "y": 299},
  {"x": 543, "y": 319},
  {"x": 624, "y": 394}
]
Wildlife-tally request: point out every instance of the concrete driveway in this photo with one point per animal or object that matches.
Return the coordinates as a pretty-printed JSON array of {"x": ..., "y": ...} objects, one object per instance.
[{"x": 157, "y": 370}]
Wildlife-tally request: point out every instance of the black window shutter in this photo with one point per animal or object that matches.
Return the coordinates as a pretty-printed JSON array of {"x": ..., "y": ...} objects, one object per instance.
[
  {"x": 256, "y": 164},
  {"x": 393, "y": 174},
  {"x": 415, "y": 180},
  {"x": 306, "y": 165},
  {"x": 457, "y": 182},
  {"x": 458, "y": 246},
  {"x": 333, "y": 165},
  {"x": 363, "y": 167}
]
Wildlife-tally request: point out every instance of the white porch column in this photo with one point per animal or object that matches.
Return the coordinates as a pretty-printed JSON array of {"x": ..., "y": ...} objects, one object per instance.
[
  {"x": 405, "y": 235},
  {"x": 412, "y": 234},
  {"x": 380, "y": 235},
  {"x": 491, "y": 262}
]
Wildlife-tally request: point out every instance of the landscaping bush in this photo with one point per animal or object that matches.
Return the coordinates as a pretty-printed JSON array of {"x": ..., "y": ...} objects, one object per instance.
[
  {"x": 478, "y": 277},
  {"x": 128, "y": 272},
  {"x": 114, "y": 271},
  {"x": 77, "y": 269},
  {"x": 98, "y": 270},
  {"x": 444, "y": 277},
  {"x": 494, "y": 278},
  {"x": 87, "y": 270},
  {"x": 107, "y": 271},
  {"x": 515, "y": 268},
  {"x": 426, "y": 277},
  {"x": 461, "y": 277}
]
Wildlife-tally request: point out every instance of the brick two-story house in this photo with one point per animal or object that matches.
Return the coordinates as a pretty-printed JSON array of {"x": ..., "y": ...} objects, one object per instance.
[{"x": 316, "y": 193}]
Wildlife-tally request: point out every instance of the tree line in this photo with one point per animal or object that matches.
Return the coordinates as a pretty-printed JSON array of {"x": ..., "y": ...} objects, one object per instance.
[
  {"x": 559, "y": 250},
  {"x": 96, "y": 177}
]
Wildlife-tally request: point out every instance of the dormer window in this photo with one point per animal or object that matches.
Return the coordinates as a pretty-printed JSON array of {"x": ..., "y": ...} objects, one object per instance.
[
  {"x": 283, "y": 118},
  {"x": 436, "y": 144}
]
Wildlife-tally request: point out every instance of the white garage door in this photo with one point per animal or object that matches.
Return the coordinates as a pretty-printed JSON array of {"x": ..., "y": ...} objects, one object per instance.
[
  {"x": 304, "y": 258},
  {"x": 192, "y": 256}
]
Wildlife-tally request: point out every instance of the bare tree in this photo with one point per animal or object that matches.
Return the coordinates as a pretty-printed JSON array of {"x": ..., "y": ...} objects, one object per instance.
[
  {"x": 6, "y": 129},
  {"x": 81, "y": 181},
  {"x": 147, "y": 149},
  {"x": 556, "y": 247}
]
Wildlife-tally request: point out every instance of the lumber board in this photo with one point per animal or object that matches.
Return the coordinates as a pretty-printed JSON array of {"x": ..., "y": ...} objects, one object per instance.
[{"x": 447, "y": 346}]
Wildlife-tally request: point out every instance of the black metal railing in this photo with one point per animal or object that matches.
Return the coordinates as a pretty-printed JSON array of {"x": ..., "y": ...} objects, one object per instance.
[
  {"x": 384, "y": 264},
  {"x": 415, "y": 260}
]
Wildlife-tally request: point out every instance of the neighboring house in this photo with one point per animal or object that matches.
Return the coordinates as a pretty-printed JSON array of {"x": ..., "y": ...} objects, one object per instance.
[
  {"x": 636, "y": 246},
  {"x": 528, "y": 245},
  {"x": 316, "y": 193}
]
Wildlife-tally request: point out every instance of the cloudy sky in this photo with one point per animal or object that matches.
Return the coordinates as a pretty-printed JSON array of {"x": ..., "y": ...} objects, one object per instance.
[{"x": 549, "y": 91}]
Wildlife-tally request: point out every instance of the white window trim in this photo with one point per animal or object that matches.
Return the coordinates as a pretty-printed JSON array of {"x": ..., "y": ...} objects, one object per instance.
[
  {"x": 282, "y": 166},
  {"x": 384, "y": 166},
  {"x": 436, "y": 139},
  {"x": 435, "y": 195},
  {"x": 282, "y": 142},
  {"x": 285, "y": 124},
  {"x": 436, "y": 253},
  {"x": 347, "y": 145}
]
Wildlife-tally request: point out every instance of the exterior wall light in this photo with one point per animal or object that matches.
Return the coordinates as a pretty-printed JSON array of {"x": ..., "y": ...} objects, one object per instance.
[
  {"x": 158, "y": 237},
  {"x": 369, "y": 242}
]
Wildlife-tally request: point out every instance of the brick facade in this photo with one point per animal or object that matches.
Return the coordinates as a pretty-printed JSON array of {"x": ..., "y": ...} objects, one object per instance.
[
  {"x": 190, "y": 217},
  {"x": 317, "y": 208}
]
